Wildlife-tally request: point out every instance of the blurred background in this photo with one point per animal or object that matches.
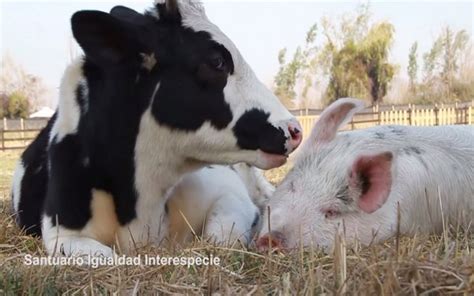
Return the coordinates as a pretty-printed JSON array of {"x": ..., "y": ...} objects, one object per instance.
[{"x": 308, "y": 52}]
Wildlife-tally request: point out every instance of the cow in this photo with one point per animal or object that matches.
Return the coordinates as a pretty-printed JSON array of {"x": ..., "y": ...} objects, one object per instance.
[
  {"x": 221, "y": 204},
  {"x": 156, "y": 95},
  {"x": 371, "y": 184}
]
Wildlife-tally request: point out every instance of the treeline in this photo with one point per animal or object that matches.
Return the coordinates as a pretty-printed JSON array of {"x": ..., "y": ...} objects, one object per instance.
[
  {"x": 350, "y": 57},
  {"x": 447, "y": 70},
  {"x": 14, "y": 105},
  {"x": 20, "y": 92}
]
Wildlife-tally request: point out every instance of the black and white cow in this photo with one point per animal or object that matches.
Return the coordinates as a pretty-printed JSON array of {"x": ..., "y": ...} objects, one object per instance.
[{"x": 155, "y": 96}]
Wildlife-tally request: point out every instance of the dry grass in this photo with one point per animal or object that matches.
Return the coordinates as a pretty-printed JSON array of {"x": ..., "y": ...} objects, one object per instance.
[{"x": 421, "y": 265}]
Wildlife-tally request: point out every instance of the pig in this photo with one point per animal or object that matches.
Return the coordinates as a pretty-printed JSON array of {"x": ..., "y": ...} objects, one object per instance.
[
  {"x": 221, "y": 204},
  {"x": 357, "y": 182}
]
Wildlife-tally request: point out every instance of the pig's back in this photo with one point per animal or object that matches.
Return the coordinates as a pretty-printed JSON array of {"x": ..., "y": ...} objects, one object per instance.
[{"x": 433, "y": 165}]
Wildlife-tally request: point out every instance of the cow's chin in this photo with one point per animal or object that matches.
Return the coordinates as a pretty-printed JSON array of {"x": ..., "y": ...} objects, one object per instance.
[{"x": 266, "y": 161}]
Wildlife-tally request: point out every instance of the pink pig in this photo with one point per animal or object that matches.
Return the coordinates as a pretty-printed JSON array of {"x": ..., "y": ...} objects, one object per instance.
[{"x": 354, "y": 182}]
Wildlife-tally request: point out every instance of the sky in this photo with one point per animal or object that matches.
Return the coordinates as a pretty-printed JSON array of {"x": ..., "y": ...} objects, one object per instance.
[{"x": 37, "y": 33}]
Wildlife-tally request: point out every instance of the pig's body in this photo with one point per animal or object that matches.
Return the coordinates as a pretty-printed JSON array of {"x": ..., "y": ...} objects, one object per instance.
[{"x": 357, "y": 179}]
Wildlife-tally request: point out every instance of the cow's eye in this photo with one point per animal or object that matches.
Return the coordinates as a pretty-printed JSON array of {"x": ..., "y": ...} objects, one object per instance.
[{"x": 217, "y": 63}]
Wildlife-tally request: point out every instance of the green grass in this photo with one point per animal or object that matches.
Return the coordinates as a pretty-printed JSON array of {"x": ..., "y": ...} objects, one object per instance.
[{"x": 433, "y": 265}]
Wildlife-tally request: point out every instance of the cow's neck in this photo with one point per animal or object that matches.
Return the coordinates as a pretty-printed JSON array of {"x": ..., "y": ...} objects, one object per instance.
[{"x": 158, "y": 164}]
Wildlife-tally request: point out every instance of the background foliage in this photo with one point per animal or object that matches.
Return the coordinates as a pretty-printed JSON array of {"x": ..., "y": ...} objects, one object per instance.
[{"x": 350, "y": 56}]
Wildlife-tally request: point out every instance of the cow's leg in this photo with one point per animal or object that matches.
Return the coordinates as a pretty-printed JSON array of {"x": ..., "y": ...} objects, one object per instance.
[
  {"x": 77, "y": 219},
  {"x": 60, "y": 241},
  {"x": 150, "y": 227},
  {"x": 231, "y": 219},
  {"x": 92, "y": 239}
]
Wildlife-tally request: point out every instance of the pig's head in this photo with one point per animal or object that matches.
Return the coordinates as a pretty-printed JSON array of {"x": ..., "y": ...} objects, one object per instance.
[{"x": 338, "y": 182}]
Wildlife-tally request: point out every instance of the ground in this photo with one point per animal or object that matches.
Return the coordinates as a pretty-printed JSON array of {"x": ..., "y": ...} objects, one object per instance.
[{"x": 438, "y": 264}]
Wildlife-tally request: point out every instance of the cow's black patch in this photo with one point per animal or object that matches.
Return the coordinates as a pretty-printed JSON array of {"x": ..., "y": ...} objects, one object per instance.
[
  {"x": 34, "y": 182},
  {"x": 253, "y": 131},
  {"x": 193, "y": 71}
]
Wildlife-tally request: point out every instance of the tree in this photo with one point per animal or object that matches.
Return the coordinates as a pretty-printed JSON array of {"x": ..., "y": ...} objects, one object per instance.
[
  {"x": 15, "y": 79},
  {"x": 360, "y": 66},
  {"x": 289, "y": 73},
  {"x": 352, "y": 60},
  {"x": 3, "y": 105},
  {"x": 18, "y": 106},
  {"x": 412, "y": 68},
  {"x": 444, "y": 80}
]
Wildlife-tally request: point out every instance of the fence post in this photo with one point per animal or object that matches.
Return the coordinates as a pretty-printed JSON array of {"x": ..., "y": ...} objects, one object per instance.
[
  {"x": 436, "y": 113},
  {"x": 5, "y": 123},
  {"x": 379, "y": 115},
  {"x": 466, "y": 115},
  {"x": 22, "y": 127},
  {"x": 469, "y": 116},
  {"x": 1, "y": 138},
  {"x": 410, "y": 115}
]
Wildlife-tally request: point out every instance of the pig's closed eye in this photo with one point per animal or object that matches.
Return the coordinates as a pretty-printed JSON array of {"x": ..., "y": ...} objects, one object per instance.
[
  {"x": 331, "y": 213},
  {"x": 255, "y": 220}
]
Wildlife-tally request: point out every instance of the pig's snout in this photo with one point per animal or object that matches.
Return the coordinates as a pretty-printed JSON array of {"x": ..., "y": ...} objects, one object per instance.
[{"x": 272, "y": 240}]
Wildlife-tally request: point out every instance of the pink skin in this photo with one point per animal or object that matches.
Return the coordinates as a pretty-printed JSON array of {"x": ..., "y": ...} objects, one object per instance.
[
  {"x": 368, "y": 181},
  {"x": 371, "y": 184},
  {"x": 296, "y": 134},
  {"x": 268, "y": 161},
  {"x": 376, "y": 170}
]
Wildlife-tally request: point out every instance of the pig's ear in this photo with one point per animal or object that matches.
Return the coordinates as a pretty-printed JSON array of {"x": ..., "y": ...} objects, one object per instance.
[
  {"x": 371, "y": 175},
  {"x": 333, "y": 117}
]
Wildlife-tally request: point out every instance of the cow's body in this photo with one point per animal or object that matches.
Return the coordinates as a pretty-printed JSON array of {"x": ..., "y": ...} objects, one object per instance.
[
  {"x": 156, "y": 96},
  {"x": 218, "y": 203},
  {"x": 355, "y": 181}
]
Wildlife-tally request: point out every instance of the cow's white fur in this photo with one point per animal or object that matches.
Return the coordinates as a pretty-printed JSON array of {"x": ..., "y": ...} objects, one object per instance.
[
  {"x": 101, "y": 228},
  {"x": 69, "y": 111},
  {"x": 217, "y": 203},
  {"x": 16, "y": 187},
  {"x": 156, "y": 173},
  {"x": 437, "y": 172}
]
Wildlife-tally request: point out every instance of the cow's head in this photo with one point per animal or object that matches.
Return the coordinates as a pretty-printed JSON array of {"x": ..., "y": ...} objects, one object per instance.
[{"x": 190, "y": 78}]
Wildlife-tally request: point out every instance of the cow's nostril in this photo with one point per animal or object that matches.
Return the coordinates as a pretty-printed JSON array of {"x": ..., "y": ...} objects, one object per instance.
[{"x": 294, "y": 132}]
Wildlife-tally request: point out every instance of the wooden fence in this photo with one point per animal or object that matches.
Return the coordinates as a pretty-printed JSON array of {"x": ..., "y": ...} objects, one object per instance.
[
  {"x": 16, "y": 139},
  {"x": 413, "y": 116},
  {"x": 427, "y": 116}
]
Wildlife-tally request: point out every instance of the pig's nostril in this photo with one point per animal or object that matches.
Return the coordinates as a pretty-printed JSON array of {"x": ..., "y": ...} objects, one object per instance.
[{"x": 273, "y": 240}]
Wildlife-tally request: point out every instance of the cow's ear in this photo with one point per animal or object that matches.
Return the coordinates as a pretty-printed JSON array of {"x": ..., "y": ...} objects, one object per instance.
[
  {"x": 105, "y": 39},
  {"x": 371, "y": 177},
  {"x": 129, "y": 15},
  {"x": 333, "y": 117}
]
